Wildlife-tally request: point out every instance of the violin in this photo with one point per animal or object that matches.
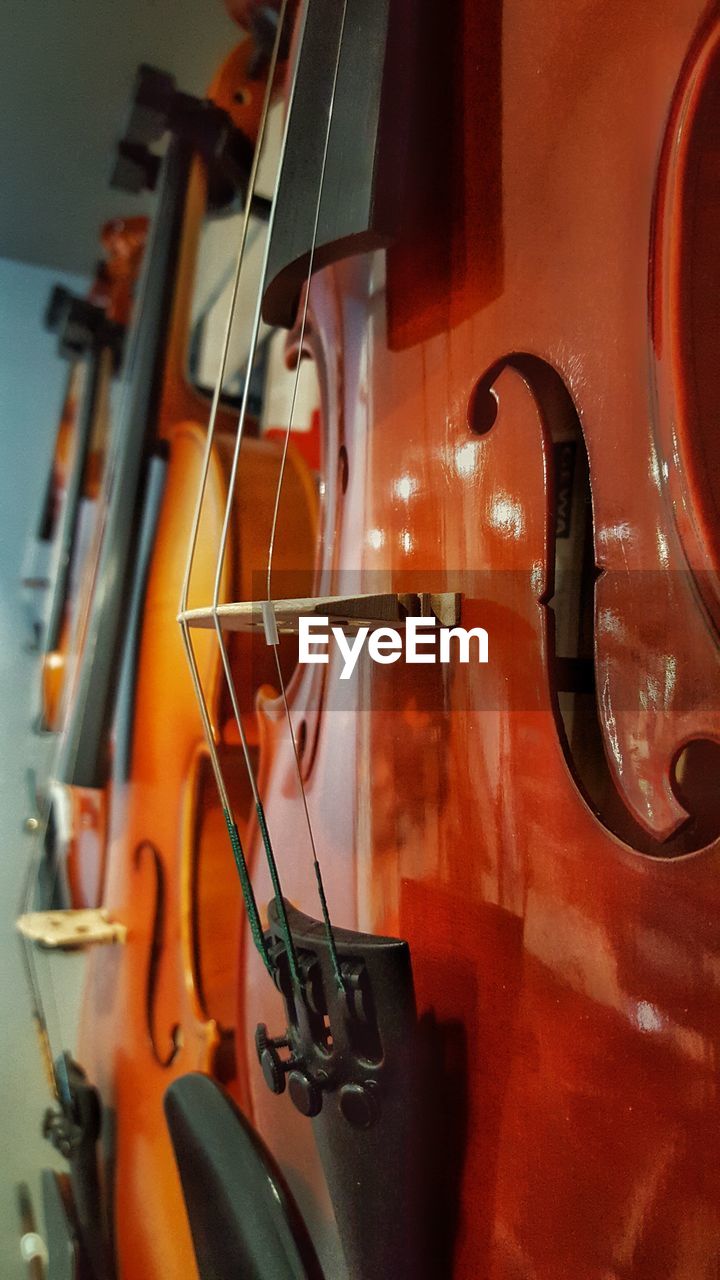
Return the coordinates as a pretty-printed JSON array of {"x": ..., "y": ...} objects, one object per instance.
[
  {"x": 90, "y": 335},
  {"x": 156, "y": 397},
  {"x": 482, "y": 995},
  {"x": 154, "y": 892}
]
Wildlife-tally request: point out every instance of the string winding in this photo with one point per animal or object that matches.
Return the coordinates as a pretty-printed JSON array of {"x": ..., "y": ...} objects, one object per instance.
[{"x": 270, "y": 858}]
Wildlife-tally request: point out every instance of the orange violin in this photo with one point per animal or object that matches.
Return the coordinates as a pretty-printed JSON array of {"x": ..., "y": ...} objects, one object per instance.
[{"x": 494, "y": 902}]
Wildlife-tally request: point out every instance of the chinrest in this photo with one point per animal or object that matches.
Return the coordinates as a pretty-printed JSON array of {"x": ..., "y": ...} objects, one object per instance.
[{"x": 243, "y": 1220}]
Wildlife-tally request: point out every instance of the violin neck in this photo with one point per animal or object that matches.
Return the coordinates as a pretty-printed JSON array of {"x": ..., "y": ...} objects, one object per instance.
[{"x": 151, "y": 333}]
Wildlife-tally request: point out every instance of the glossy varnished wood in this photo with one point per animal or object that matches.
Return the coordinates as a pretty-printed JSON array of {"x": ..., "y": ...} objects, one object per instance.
[{"x": 564, "y": 951}]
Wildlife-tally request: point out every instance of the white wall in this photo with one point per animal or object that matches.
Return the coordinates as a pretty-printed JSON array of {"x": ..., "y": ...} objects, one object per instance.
[
  {"x": 32, "y": 381},
  {"x": 68, "y": 69}
]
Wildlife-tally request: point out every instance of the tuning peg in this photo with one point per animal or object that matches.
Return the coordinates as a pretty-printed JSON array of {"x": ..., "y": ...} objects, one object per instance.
[{"x": 274, "y": 1068}]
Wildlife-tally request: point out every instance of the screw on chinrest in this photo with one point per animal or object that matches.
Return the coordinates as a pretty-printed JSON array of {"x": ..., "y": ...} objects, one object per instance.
[
  {"x": 306, "y": 1090},
  {"x": 274, "y": 1068}
]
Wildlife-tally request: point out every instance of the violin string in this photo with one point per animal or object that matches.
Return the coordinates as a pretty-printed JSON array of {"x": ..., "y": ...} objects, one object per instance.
[
  {"x": 40, "y": 1021},
  {"x": 54, "y": 1065},
  {"x": 222, "y": 551},
  {"x": 28, "y": 957},
  {"x": 329, "y": 932},
  {"x": 61, "y": 1068},
  {"x": 236, "y": 844},
  {"x": 270, "y": 857}
]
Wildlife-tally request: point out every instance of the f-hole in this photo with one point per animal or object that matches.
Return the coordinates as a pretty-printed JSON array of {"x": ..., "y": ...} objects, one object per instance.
[
  {"x": 211, "y": 899},
  {"x": 156, "y": 948},
  {"x": 570, "y": 602}
]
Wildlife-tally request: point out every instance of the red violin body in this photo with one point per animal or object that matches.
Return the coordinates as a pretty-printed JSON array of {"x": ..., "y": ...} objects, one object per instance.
[{"x": 547, "y": 848}]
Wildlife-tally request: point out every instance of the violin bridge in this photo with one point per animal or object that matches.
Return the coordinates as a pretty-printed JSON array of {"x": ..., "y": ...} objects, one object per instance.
[
  {"x": 71, "y": 930},
  {"x": 348, "y": 612}
]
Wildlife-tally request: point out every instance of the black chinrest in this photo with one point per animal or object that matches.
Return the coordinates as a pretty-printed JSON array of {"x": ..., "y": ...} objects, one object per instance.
[{"x": 244, "y": 1223}]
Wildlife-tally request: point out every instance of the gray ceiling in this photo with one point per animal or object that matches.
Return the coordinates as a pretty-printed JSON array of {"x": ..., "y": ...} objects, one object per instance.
[{"x": 67, "y": 68}]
